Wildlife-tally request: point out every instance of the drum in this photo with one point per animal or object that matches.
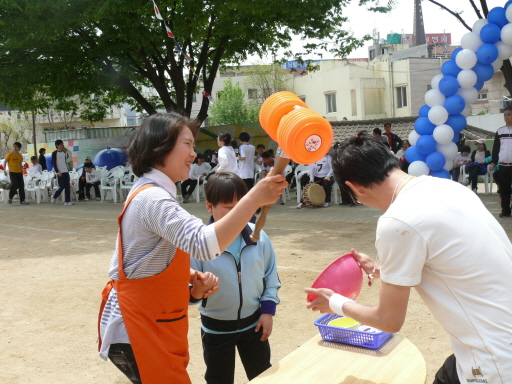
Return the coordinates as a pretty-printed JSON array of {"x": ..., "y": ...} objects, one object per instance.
[{"x": 313, "y": 195}]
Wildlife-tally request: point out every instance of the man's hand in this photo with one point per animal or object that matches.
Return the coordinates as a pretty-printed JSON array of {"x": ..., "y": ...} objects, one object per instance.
[
  {"x": 366, "y": 263},
  {"x": 321, "y": 303},
  {"x": 266, "y": 320},
  {"x": 59, "y": 174},
  {"x": 204, "y": 285},
  {"x": 491, "y": 167},
  {"x": 82, "y": 178}
]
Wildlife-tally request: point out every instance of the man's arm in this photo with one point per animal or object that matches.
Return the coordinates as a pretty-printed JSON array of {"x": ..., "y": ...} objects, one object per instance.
[{"x": 495, "y": 150}]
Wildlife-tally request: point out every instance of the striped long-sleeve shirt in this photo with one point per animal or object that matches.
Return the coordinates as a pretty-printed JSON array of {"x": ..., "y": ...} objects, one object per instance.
[{"x": 153, "y": 227}]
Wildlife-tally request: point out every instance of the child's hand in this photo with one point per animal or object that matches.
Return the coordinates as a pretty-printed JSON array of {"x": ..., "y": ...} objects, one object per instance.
[
  {"x": 204, "y": 285},
  {"x": 266, "y": 320}
]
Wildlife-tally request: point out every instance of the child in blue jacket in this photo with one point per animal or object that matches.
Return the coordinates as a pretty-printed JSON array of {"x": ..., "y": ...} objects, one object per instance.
[{"x": 239, "y": 315}]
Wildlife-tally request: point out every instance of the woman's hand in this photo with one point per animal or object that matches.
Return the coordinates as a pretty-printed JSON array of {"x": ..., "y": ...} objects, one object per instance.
[
  {"x": 268, "y": 190},
  {"x": 366, "y": 263}
]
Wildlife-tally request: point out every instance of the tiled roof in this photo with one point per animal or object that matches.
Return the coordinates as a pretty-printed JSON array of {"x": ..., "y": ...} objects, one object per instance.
[{"x": 401, "y": 126}]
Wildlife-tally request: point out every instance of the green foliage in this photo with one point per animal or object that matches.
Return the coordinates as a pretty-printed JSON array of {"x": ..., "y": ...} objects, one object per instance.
[
  {"x": 266, "y": 80},
  {"x": 231, "y": 108},
  {"x": 84, "y": 47}
]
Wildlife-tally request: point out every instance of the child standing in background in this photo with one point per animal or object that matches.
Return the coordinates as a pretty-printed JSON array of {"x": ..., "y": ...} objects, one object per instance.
[{"x": 240, "y": 315}]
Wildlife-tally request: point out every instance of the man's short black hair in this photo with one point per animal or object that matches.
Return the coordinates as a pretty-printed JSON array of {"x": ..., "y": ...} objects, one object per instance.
[
  {"x": 507, "y": 109},
  {"x": 260, "y": 146},
  {"x": 224, "y": 187},
  {"x": 200, "y": 156},
  {"x": 225, "y": 138},
  {"x": 33, "y": 157},
  {"x": 362, "y": 159},
  {"x": 42, "y": 150},
  {"x": 266, "y": 155},
  {"x": 465, "y": 148},
  {"x": 387, "y": 124},
  {"x": 17, "y": 144},
  {"x": 155, "y": 139},
  {"x": 88, "y": 165},
  {"x": 58, "y": 142},
  {"x": 377, "y": 131},
  {"x": 244, "y": 136}
]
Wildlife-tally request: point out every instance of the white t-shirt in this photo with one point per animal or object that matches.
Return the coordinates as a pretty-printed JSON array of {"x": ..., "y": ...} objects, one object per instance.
[
  {"x": 479, "y": 157},
  {"x": 459, "y": 159},
  {"x": 196, "y": 171},
  {"x": 227, "y": 160},
  {"x": 438, "y": 237},
  {"x": 92, "y": 177},
  {"x": 322, "y": 168},
  {"x": 246, "y": 167},
  {"x": 35, "y": 168}
]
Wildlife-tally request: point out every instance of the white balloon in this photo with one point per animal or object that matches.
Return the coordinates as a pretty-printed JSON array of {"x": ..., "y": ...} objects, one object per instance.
[
  {"x": 470, "y": 95},
  {"x": 418, "y": 168},
  {"x": 471, "y": 41},
  {"x": 508, "y": 14},
  {"x": 466, "y": 59},
  {"x": 443, "y": 134},
  {"x": 437, "y": 78},
  {"x": 497, "y": 64},
  {"x": 506, "y": 34},
  {"x": 479, "y": 24},
  {"x": 438, "y": 115},
  {"x": 448, "y": 165},
  {"x": 504, "y": 50},
  {"x": 434, "y": 97},
  {"x": 413, "y": 137},
  {"x": 448, "y": 150},
  {"x": 467, "y": 110},
  {"x": 467, "y": 78}
]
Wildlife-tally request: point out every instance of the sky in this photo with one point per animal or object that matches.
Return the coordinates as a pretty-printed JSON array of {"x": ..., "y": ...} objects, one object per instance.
[{"x": 436, "y": 20}]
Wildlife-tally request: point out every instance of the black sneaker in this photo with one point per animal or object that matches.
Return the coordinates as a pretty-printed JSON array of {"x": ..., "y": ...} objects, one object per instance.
[{"x": 503, "y": 215}]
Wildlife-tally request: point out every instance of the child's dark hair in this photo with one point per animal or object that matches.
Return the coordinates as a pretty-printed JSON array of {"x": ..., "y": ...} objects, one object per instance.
[
  {"x": 244, "y": 136},
  {"x": 362, "y": 159},
  {"x": 155, "y": 139},
  {"x": 266, "y": 155},
  {"x": 465, "y": 148},
  {"x": 377, "y": 131},
  {"x": 233, "y": 143},
  {"x": 507, "y": 109},
  {"x": 260, "y": 146},
  {"x": 88, "y": 165},
  {"x": 224, "y": 187},
  {"x": 225, "y": 138},
  {"x": 42, "y": 150}
]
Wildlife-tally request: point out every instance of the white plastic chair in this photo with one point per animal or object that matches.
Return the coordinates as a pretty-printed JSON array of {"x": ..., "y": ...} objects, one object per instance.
[
  {"x": 4, "y": 192},
  {"x": 286, "y": 191},
  {"x": 300, "y": 169},
  {"x": 126, "y": 184},
  {"x": 199, "y": 188},
  {"x": 73, "y": 183},
  {"x": 488, "y": 179},
  {"x": 109, "y": 183},
  {"x": 32, "y": 186},
  {"x": 43, "y": 190}
]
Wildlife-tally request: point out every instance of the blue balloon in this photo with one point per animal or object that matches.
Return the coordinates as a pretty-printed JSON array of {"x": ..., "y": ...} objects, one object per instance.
[
  {"x": 454, "y": 104},
  {"x": 497, "y": 16},
  {"x": 480, "y": 84},
  {"x": 487, "y": 53},
  {"x": 507, "y": 4},
  {"x": 423, "y": 112},
  {"x": 484, "y": 72},
  {"x": 448, "y": 85},
  {"x": 490, "y": 33},
  {"x": 111, "y": 157},
  {"x": 423, "y": 126},
  {"x": 426, "y": 144},
  {"x": 455, "y": 138},
  {"x": 450, "y": 68},
  {"x": 436, "y": 161},
  {"x": 442, "y": 174},
  {"x": 456, "y": 52},
  {"x": 412, "y": 155},
  {"x": 457, "y": 122}
]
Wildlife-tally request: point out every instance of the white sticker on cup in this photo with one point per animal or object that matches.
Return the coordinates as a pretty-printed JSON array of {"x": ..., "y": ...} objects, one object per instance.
[{"x": 313, "y": 143}]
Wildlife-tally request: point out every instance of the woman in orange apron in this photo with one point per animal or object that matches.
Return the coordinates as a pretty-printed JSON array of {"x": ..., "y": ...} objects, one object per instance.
[{"x": 143, "y": 317}]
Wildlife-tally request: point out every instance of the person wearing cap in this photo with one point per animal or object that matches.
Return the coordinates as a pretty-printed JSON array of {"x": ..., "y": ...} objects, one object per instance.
[
  {"x": 477, "y": 166},
  {"x": 502, "y": 154},
  {"x": 35, "y": 167},
  {"x": 82, "y": 181}
]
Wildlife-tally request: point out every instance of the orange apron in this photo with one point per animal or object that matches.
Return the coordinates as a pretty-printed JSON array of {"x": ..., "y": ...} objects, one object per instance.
[{"x": 154, "y": 311}]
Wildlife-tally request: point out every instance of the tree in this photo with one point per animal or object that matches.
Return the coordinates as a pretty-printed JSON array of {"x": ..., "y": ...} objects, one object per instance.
[
  {"x": 118, "y": 46},
  {"x": 266, "y": 80},
  {"x": 231, "y": 108}
]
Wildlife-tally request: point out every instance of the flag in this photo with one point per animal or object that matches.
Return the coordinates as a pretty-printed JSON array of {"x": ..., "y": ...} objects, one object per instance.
[
  {"x": 178, "y": 46},
  {"x": 192, "y": 69},
  {"x": 169, "y": 33},
  {"x": 187, "y": 57},
  {"x": 157, "y": 12}
]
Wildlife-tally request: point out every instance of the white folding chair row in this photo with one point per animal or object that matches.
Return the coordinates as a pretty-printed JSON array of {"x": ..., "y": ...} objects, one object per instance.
[
  {"x": 32, "y": 187},
  {"x": 488, "y": 179},
  {"x": 126, "y": 184},
  {"x": 109, "y": 183},
  {"x": 4, "y": 192}
]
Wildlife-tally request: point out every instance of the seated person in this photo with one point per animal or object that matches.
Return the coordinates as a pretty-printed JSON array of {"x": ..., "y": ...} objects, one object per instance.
[
  {"x": 477, "y": 165},
  {"x": 35, "y": 169},
  {"x": 260, "y": 148},
  {"x": 266, "y": 166},
  {"x": 319, "y": 172},
  {"x": 462, "y": 158},
  {"x": 236, "y": 318},
  {"x": 197, "y": 174},
  {"x": 81, "y": 180},
  {"x": 400, "y": 155},
  {"x": 92, "y": 179}
]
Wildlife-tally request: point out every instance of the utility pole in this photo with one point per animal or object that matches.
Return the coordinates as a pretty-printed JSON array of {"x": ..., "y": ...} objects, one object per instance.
[{"x": 34, "y": 133}]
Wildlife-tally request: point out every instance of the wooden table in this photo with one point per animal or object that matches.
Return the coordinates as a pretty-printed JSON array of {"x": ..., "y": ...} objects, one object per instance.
[{"x": 397, "y": 361}]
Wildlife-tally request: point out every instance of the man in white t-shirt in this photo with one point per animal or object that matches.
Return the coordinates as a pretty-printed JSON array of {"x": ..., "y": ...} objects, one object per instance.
[
  {"x": 246, "y": 160},
  {"x": 35, "y": 168},
  {"x": 197, "y": 174},
  {"x": 435, "y": 236},
  {"x": 321, "y": 173}
]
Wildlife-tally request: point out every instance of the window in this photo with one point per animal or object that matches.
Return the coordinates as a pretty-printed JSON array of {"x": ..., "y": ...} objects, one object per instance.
[
  {"x": 330, "y": 101},
  {"x": 252, "y": 93},
  {"x": 401, "y": 97},
  {"x": 353, "y": 102},
  {"x": 372, "y": 54},
  {"x": 482, "y": 96},
  {"x": 385, "y": 51}
]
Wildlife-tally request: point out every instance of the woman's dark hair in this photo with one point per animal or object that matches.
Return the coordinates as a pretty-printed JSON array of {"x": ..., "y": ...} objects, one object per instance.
[
  {"x": 42, "y": 150},
  {"x": 224, "y": 187},
  {"x": 465, "y": 148},
  {"x": 225, "y": 138},
  {"x": 406, "y": 141},
  {"x": 233, "y": 143},
  {"x": 244, "y": 136},
  {"x": 155, "y": 139},
  {"x": 362, "y": 159},
  {"x": 260, "y": 146}
]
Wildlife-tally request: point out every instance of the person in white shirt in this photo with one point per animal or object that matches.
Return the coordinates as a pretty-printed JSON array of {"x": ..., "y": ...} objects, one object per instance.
[
  {"x": 463, "y": 158},
  {"x": 227, "y": 157},
  {"x": 320, "y": 172},
  {"x": 260, "y": 148},
  {"x": 35, "y": 168},
  {"x": 246, "y": 160},
  {"x": 92, "y": 179},
  {"x": 196, "y": 175},
  {"x": 437, "y": 237}
]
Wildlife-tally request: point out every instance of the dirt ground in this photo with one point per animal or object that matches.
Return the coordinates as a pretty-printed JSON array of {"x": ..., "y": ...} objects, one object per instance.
[{"x": 54, "y": 262}]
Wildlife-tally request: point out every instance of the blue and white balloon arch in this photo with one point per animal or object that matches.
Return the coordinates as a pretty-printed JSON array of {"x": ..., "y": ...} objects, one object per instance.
[{"x": 447, "y": 104}]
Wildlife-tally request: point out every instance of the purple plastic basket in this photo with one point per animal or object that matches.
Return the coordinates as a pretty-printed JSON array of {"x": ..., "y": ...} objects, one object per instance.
[{"x": 349, "y": 336}]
